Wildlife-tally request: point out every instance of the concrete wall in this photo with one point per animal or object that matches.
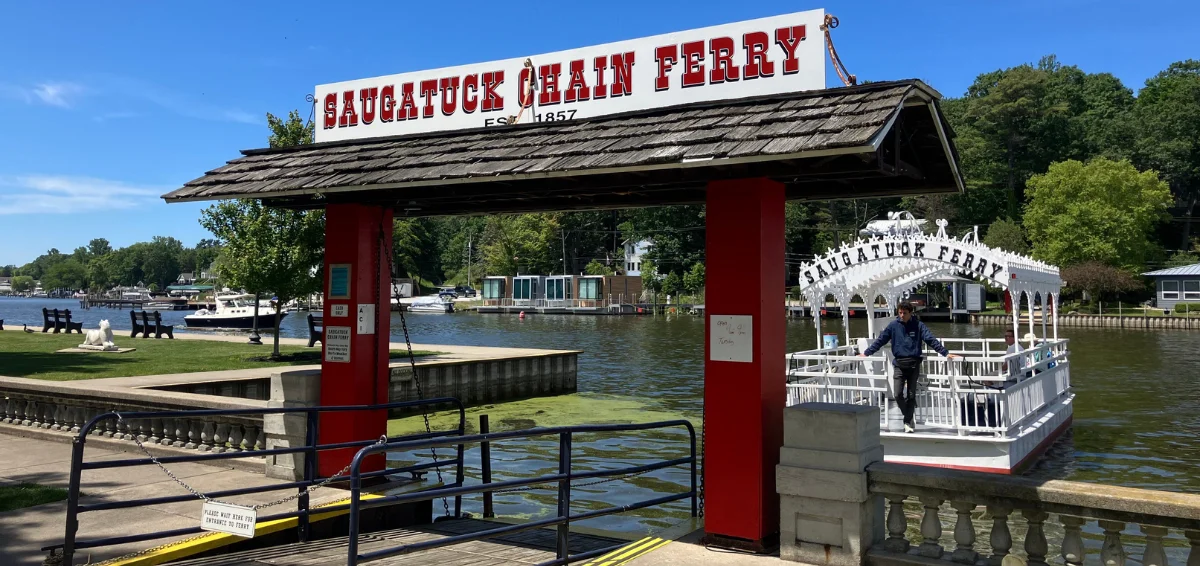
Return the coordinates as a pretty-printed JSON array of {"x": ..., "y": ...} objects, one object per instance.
[
  {"x": 827, "y": 514},
  {"x": 488, "y": 381},
  {"x": 1175, "y": 321}
]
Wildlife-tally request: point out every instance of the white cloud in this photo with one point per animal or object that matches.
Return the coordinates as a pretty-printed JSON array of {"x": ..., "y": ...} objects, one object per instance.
[
  {"x": 57, "y": 94},
  {"x": 59, "y": 194}
]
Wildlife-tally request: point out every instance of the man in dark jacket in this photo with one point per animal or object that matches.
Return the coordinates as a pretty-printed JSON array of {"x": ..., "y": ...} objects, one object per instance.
[{"x": 906, "y": 335}]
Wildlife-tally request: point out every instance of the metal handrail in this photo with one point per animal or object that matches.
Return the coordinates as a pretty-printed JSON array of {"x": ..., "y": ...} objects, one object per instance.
[
  {"x": 563, "y": 478},
  {"x": 311, "y": 448}
]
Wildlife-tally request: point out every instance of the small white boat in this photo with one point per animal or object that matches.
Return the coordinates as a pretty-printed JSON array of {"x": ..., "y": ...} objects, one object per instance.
[
  {"x": 431, "y": 304},
  {"x": 233, "y": 311}
]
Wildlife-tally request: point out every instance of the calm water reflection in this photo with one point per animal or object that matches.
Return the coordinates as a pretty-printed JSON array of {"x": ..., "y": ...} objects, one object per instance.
[{"x": 1136, "y": 422}]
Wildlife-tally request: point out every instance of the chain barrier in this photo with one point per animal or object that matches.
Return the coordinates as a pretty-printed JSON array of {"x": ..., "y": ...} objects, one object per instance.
[
  {"x": 138, "y": 441},
  {"x": 412, "y": 360},
  {"x": 848, "y": 79},
  {"x": 703, "y": 455}
]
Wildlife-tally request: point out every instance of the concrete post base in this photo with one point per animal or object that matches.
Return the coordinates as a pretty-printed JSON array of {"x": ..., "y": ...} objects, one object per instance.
[
  {"x": 827, "y": 515},
  {"x": 290, "y": 389}
]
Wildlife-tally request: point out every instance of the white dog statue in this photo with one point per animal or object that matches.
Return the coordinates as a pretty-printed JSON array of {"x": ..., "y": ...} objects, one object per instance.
[{"x": 101, "y": 339}]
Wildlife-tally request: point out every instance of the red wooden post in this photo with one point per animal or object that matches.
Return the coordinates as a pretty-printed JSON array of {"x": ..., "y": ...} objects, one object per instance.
[
  {"x": 744, "y": 400},
  {"x": 354, "y": 367}
]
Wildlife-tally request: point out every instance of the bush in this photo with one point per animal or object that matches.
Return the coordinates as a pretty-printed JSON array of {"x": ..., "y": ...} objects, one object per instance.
[{"x": 1187, "y": 307}]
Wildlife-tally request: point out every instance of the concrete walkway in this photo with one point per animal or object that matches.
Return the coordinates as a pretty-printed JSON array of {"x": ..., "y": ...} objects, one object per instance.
[
  {"x": 687, "y": 551},
  {"x": 23, "y": 532}
]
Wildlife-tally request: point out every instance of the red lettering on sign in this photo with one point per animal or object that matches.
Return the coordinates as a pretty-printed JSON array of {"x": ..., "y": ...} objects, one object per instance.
[
  {"x": 330, "y": 111},
  {"x": 577, "y": 88},
  {"x": 693, "y": 64},
  {"x": 449, "y": 88},
  {"x": 408, "y": 105},
  {"x": 789, "y": 39},
  {"x": 367, "y": 97},
  {"x": 492, "y": 99},
  {"x": 757, "y": 62},
  {"x": 601, "y": 89},
  {"x": 622, "y": 64},
  {"x": 549, "y": 75},
  {"x": 349, "y": 116},
  {"x": 387, "y": 103},
  {"x": 470, "y": 96},
  {"x": 723, "y": 68},
  {"x": 665, "y": 56},
  {"x": 428, "y": 90},
  {"x": 524, "y": 93}
]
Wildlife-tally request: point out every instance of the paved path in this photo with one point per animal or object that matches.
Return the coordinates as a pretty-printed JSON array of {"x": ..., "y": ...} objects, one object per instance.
[{"x": 23, "y": 532}]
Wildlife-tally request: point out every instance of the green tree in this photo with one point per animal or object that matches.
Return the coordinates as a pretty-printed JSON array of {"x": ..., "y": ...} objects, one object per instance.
[
  {"x": 1104, "y": 211},
  {"x": 22, "y": 283},
  {"x": 1007, "y": 235},
  {"x": 66, "y": 274},
  {"x": 1168, "y": 134},
  {"x": 1180, "y": 259},
  {"x": 1097, "y": 278},
  {"x": 693, "y": 280},
  {"x": 268, "y": 250},
  {"x": 160, "y": 260},
  {"x": 650, "y": 279},
  {"x": 290, "y": 132},
  {"x": 672, "y": 284},
  {"x": 596, "y": 268},
  {"x": 521, "y": 244},
  {"x": 99, "y": 247},
  {"x": 207, "y": 251}
]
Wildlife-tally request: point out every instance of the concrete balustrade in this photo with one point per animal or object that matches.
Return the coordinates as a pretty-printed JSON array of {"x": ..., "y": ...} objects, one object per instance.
[{"x": 833, "y": 486}]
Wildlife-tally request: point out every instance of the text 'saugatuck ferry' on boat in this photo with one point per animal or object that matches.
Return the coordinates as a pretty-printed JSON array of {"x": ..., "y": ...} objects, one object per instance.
[{"x": 991, "y": 410}]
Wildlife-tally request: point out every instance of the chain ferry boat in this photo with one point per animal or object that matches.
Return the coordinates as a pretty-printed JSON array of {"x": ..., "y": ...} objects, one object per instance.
[{"x": 995, "y": 409}]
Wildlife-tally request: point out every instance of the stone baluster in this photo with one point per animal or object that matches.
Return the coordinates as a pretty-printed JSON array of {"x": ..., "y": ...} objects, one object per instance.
[
  {"x": 75, "y": 416},
  {"x": 964, "y": 534},
  {"x": 1001, "y": 538},
  {"x": 897, "y": 525},
  {"x": 48, "y": 414},
  {"x": 10, "y": 412},
  {"x": 1154, "y": 554},
  {"x": 1073, "y": 551},
  {"x": 143, "y": 430},
  {"x": 1112, "y": 553},
  {"x": 193, "y": 435},
  {"x": 931, "y": 529},
  {"x": 220, "y": 437},
  {"x": 1194, "y": 554},
  {"x": 261, "y": 441},
  {"x": 180, "y": 438},
  {"x": 206, "y": 436},
  {"x": 98, "y": 429},
  {"x": 31, "y": 414},
  {"x": 251, "y": 439},
  {"x": 60, "y": 417},
  {"x": 235, "y": 437},
  {"x": 6, "y": 414},
  {"x": 1036, "y": 546},
  {"x": 156, "y": 431}
]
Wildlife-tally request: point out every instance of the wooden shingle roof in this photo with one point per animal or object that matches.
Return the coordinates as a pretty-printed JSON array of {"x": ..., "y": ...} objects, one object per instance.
[{"x": 845, "y": 139}]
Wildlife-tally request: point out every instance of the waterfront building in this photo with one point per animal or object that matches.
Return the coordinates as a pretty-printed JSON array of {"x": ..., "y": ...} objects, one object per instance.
[
  {"x": 1176, "y": 285},
  {"x": 634, "y": 251}
]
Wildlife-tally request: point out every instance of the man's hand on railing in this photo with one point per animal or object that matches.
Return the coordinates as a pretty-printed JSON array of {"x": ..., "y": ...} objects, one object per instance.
[{"x": 953, "y": 357}]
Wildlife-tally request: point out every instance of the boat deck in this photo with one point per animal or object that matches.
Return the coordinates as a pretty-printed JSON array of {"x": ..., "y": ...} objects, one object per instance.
[{"x": 530, "y": 547}]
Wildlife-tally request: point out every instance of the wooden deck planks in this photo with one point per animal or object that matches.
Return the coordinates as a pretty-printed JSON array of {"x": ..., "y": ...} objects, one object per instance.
[{"x": 529, "y": 547}]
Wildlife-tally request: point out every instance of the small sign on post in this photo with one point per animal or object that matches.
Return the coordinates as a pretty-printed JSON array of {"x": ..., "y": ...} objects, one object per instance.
[
  {"x": 339, "y": 310},
  {"x": 337, "y": 344},
  {"x": 731, "y": 338},
  {"x": 225, "y": 518},
  {"x": 366, "y": 318}
]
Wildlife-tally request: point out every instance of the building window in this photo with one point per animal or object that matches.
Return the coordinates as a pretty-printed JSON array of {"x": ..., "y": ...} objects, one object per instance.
[
  {"x": 493, "y": 288},
  {"x": 1191, "y": 290},
  {"x": 589, "y": 289},
  {"x": 523, "y": 289},
  {"x": 1170, "y": 290}
]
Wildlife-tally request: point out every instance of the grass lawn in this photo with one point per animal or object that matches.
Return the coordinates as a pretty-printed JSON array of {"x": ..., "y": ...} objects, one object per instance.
[
  {"x": 33, "y": 355},
  {"x": 24, "y": 495}
]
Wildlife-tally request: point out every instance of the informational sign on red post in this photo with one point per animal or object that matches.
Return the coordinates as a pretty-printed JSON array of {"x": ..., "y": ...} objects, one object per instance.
[{"x": 751, "y": 58}]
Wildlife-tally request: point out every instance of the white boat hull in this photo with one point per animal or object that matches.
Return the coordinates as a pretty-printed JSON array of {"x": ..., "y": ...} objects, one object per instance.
[
  {"x": 434, "y": 308},
  {"x": 1009, "y": 455}
]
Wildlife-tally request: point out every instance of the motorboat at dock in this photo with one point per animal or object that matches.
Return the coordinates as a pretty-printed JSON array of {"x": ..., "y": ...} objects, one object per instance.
[
  {"x": 431, "y": 305},
  {"x": 233, "y": 311}
]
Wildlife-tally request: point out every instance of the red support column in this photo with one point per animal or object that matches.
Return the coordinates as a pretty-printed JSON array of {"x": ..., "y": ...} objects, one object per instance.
[
  {"x": 354, "y": 366},
  {"x": 743, "y": 399}
]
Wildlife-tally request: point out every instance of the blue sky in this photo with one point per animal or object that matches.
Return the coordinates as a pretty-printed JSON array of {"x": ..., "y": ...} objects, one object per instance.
[{"x": 102, "y": 109}]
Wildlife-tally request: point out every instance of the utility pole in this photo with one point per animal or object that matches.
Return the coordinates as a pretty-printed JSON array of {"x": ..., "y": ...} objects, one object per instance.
[
  {"x": 564, "y": 244},
  {"x": 470, "y": 237}
]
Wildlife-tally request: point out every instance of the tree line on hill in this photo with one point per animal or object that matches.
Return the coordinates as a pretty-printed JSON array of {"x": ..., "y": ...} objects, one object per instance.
[{"x": 1068, "y": 166}]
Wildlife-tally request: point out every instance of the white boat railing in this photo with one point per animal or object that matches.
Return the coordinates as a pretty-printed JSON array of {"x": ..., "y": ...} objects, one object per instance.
[{"x": 995, "y": 394}]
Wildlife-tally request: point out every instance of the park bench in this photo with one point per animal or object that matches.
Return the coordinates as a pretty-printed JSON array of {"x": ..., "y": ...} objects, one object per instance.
[
  {"x": 151, "y": 322},
  {"x": 316, "y": 330},
  {"x": 59, "y": 320}
]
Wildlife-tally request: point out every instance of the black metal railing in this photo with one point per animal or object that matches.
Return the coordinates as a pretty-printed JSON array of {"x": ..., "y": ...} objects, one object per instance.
[
  {"x": 563, "y": 478},
  {"x": 311, "y": 477}
]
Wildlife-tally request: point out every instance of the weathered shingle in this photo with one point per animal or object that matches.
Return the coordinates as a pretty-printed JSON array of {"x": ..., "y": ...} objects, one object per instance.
[{"x": 777, "y": 125}]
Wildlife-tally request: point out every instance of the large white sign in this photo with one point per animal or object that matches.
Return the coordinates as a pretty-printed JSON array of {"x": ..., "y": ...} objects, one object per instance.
[
  {"x": 731, "y": 338},
  {"x": 226, "y": 518},
  {"x": 756, "y": 57}
]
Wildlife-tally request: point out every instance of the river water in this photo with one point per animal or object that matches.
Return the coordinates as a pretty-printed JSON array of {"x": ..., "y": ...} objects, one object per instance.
[{"x": 1136, "y": 418}]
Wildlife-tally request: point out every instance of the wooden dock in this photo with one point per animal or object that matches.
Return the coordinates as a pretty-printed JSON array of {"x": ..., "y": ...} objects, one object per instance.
[{"x": 530, "y": 547}]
